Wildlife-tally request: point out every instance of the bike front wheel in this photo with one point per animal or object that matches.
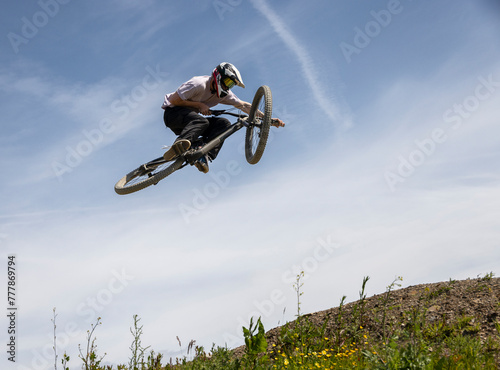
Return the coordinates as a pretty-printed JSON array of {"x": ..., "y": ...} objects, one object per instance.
[
  {"x": 148, "y": 174},
  {"x": 259, "y": 120}
]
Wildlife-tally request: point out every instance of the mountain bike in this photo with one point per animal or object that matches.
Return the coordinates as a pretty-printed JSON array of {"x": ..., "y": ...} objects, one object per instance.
[{"x": 257, "y": 124}]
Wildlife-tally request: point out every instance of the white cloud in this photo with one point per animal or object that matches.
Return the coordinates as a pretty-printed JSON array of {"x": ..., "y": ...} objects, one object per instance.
[{"x": 77, "y": 118}]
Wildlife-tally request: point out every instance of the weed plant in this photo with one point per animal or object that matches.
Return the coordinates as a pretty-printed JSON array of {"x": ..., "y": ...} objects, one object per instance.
[{"x": 346, "y": 339}]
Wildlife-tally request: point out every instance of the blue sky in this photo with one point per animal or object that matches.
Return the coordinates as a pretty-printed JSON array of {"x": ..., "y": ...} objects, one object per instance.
[{"x": 388, "y": 164}]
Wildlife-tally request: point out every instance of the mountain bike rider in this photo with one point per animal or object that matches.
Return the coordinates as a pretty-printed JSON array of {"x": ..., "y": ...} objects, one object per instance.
[{"x": 198, "y": 95}]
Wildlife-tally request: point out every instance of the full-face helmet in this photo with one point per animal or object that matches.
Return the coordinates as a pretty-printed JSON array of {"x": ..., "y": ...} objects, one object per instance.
[{"x": 225, "y": 77}]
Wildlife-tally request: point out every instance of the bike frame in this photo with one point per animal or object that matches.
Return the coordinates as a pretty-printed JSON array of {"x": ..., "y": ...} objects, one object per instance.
[{"x": 193, "y": 156}]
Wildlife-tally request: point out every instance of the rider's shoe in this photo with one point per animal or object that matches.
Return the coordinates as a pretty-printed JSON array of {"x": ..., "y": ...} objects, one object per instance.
[
  {"x": 202, "y": 164},
  {"x": 178, "y": 148}
]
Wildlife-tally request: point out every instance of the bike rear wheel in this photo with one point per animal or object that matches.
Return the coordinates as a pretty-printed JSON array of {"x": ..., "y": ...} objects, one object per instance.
[
  {"x": 148, "y": 174},
  {"x": 259, "y": 120}
]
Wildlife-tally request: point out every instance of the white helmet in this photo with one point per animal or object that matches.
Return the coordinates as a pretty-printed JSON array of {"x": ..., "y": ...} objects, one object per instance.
[{"x": 225, "y": 77}]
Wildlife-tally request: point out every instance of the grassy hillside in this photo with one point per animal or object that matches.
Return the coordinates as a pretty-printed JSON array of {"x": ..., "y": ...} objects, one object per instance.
[{"x": 448, "y": 325}]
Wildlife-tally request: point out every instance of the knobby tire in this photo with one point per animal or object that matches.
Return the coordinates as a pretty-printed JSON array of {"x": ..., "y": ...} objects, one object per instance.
[
  {"x": 258, "y": 130},
  {"x": 127, "y": 185}
]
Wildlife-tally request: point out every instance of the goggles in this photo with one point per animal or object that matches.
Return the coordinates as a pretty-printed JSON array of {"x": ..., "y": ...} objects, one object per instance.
[{"x": 228, "y": 82}]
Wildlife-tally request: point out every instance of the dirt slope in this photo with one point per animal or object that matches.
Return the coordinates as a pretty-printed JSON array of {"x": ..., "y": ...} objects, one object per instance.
[{"x": 475, "y": 303}]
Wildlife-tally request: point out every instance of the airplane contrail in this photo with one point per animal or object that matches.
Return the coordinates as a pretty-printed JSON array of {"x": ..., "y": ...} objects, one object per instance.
[{"x": 330, "y": 108}]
